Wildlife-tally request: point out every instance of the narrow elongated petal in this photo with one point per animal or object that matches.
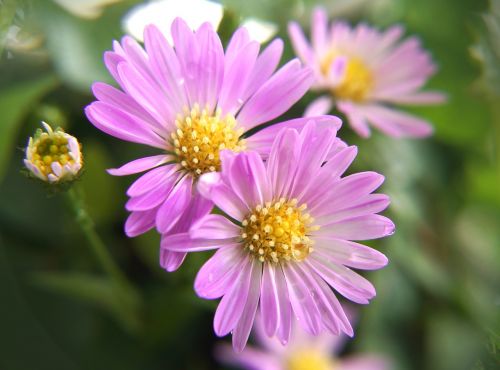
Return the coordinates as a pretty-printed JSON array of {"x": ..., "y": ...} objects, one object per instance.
[
  {"x": 230, "y": 307},
  {"x": 139, "y": 165},
  {"x": 219, "y": 272},
  {"x": 242, "y": 329}
]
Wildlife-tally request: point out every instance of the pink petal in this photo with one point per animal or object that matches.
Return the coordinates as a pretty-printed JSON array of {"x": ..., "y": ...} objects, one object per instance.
[
  {"x": 316, "y": 144},
  {"x": 355, "y": 118},
  {"x": 365, "y": 362},
  {"x": 188, "y": 54},
  {"x": 146, "y": 94},
  {"x": 198, "y": 207},
  {"x": 140, "y": 222},
  {"x": 238, "y": 41},
  {"x": 359, "y": 228},
  {"x": 285, "y": 310},
  {"x": 232, "y": 304},
  {"x": 395, "y": 123},
  {"x": 349, "y": 253},
  {"x": 276, "y": 95},
  {"x": 248, "y": 179},
  {"x": 319, "y": 106},
  {"x": 225, "y": 198},
  {"x": 112, "y": 96},
  {"x": 139, "y": 165},
  {"x": 151, "y": 179},
  {"x": 165, "y": 66},
  {"x": 175, "y": 205},
  {"x": 342, "y": 193},
  {"x": 345, "y": 281},
  {"x": 301, "y": 300},
  {"x": 210, "y": 68},
  {"x": 182, "y": 242},
  {"x": 249, "y": 358},
  {"x": 328, "y": 306},
  {"x": 118, "y": 124},
  {"x": 319, "y": 28},
  {"x": 215, "y": 227},
  {"x": 300, "y": 44},
  {"x": 269, "y": 300},
  {"x": 151, "y": 199},
  {"x": 264, "y": 67},
  {"x": 371, "y": 203},
  {"x": 330, "y": 302},
  {"x": 171, "y": 261},
  {"x": 282, "y": 162},
  {"x": 263, "y": 140},
  {"x": 419, "y": 98},
  {"x": 237, "y": 77},
  {"x": 111, "y": 60},
  {"x": 218, "y": 274},
  {"x": 242, "y": 330}
]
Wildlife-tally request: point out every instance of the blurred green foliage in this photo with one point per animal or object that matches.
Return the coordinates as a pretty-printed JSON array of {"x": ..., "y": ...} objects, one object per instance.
[{"x": 438, "y": 300}]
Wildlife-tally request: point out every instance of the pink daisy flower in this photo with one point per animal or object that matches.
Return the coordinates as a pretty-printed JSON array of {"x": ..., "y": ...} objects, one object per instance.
[
  {"x": 366, "y": 72},
  {"x": 303, "y": 352},
  {"x": 287, "y": 237},
  {"x": 190, "y": 101}
]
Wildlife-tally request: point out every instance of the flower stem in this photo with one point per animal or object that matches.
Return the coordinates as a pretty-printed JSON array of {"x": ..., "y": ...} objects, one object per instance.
[
  {"x": 95, "y": 242},
  {"x": 127, "y": 298}
]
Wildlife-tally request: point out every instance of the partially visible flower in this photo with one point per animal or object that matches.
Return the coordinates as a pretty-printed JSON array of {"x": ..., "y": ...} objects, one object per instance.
[
  {"x": 53, "y": 155},
  {"x": 303, "y": 352},
  {"x": 162, "y": 13},
  {"x": 365, "y": 72},
  {"x": 286, "y": 236},
  {"x": 85, "y": 8},
  {"x": 191, "y": 101}
]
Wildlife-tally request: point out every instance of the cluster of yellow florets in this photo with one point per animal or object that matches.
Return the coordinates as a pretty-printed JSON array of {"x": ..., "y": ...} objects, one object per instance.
[
  {"x": 53, "y": 155},
  {"x": 278, "y": 231},
  {"x": 200, "y": 136}
]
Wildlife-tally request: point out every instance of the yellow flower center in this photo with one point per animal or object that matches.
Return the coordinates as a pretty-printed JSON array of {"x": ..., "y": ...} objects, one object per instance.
[
  {"x": 357, "y": 81},
  {"x": 200, "y": 136},
  {"x": 309, "y": 360},
  {"x": 49, "y": 149},
  {"x": 278, "y": 231}
]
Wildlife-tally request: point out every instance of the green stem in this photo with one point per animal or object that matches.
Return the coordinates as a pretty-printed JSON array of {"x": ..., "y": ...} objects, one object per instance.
[
  {"x": 98, "y": 247},
  {"x": 128, "y": 300}
]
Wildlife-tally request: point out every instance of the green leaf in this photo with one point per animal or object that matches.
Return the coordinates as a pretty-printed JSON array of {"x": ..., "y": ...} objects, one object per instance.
[
  {"x": 15, "y": 102},
  {"x": 99, "y": 291}
]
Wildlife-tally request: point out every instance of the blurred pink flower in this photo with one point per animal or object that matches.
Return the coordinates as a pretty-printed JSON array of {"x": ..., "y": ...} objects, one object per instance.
[
  {"x": 303, "y": 352},
  {"x": 287, "y": 235},
  {"x": 190, "y": 101},
  {"x": 366, "y": 72}
]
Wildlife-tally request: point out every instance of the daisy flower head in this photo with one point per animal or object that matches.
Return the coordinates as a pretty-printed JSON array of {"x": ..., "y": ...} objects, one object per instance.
[
  {"x": 365, "y": 73},
  {"x": 287, "y": 236},
  {"x": 190, "y": 100},
  {"x": 303, "y": 352}
]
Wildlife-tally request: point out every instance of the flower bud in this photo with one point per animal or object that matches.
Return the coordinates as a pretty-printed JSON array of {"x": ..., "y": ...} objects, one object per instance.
[{"x": 53, "y": 155}]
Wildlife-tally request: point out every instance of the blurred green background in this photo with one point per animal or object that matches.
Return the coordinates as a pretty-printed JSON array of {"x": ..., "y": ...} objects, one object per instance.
[{"x": 438, "y": 303}]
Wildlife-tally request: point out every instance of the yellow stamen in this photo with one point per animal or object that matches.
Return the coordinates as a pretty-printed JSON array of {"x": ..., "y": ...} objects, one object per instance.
[
  {"x": 278, "y": 232},
  {"x": 309, "y": 359},
  {"x": 200, "y": 136},
  {"x": 357, "y": 81}
]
